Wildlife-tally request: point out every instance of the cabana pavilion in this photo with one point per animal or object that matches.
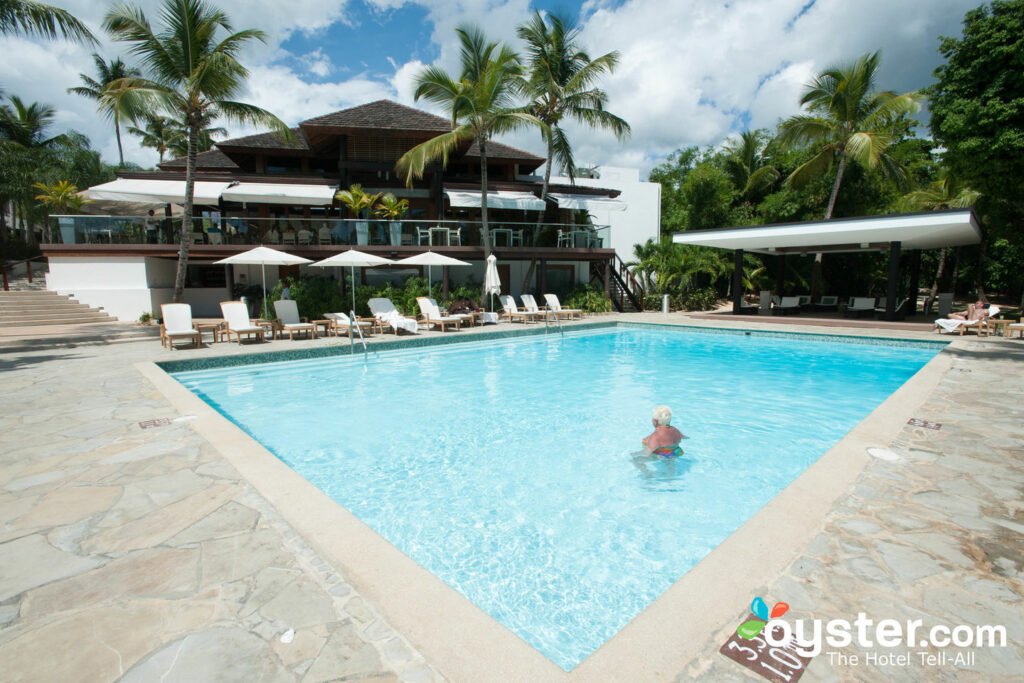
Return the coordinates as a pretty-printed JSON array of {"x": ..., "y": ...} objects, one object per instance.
[{"x": 894, "y": 233}]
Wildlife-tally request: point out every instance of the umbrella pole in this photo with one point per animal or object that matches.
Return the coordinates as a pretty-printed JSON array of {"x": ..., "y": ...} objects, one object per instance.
[{"x": 263, "y": 267}]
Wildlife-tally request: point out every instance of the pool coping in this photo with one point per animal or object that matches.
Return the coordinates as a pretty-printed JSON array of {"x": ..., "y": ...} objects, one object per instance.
[{"x": 464, "y": 643}]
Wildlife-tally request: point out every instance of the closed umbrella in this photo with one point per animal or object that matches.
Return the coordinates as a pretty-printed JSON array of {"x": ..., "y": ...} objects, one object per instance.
[
  {"x": 430, "y": 259},
  {"x": 263, "y": 257},
  {"x": 492, "y": 281},
  {"x": 354, "y": 259}
]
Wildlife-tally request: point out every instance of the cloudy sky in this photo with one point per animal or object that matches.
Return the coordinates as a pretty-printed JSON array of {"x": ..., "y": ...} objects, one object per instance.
[{"x": 692, "y": 71}]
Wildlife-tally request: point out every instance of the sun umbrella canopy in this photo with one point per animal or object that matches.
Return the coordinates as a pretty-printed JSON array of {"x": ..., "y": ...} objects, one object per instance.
[
  {"x": 431, "y": 258},
  {"x": 354, "y": 259},
  {"x": 492, "y": 281},
  {"x": 264, "y": 256}
]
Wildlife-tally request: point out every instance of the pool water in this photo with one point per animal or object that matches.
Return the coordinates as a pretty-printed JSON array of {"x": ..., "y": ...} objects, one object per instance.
[{"x": 507, "y": 468}]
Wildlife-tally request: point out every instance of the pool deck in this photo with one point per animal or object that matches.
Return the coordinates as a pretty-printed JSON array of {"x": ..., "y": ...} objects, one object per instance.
[{"x": 177, "y": 549}]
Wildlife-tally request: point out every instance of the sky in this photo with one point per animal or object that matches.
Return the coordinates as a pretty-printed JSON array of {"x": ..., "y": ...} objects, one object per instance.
[{"x": 691, "y": 72}]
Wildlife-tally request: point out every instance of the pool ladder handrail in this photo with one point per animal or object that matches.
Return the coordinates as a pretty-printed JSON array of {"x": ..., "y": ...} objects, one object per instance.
[
  {"x": 547, "y": 314},
  {"x": 359, "y": 331}
]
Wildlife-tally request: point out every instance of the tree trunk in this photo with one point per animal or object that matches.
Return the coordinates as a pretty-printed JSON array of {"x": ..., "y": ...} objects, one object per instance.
[
  {"x": 117, "y": 134},
  {"x": 979, "y": 278},
  {"x": 185, "y": 238},
  {"x": 46, "y": 229},
  {"x": 956, "y": 272},
  {"x": 935, "y": 283},
  {"x": 547, "y": 181},
  {"x": 529, "y": 274},
  {"x": 485, "y": 232}
]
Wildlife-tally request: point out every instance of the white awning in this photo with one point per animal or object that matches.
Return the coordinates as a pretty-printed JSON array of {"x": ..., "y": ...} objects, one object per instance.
[
  {"x": 495, "y": 200},
  {"x": 275, "y": 193},
  {"x": 914, "y": 231},
  {"x": 588, "y": 202},
  {"x": 160, "y": 191}
]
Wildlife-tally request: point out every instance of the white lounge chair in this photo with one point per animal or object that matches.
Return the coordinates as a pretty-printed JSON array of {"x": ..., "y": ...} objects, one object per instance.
[
  {"x": 178, "y": 325},
  {"x": 860, "y": 305},
  {"x": 511, "y": 311},
  {"x": 786, "y": 305},
  {"x": 464, "y": 318},
  {"x": 432, "y": 314},
  {"x": 900, "y": 309},
  {"x": 530, "y": 305},
  {"x": 236, "y": 317},
  {"x": 383, "y": 309},
  {"x": 341, "y": 322},
  {"x": 288, "y": 313},
  {"x": 961, "y": 326},
  {"x": 556, "y": 307}
]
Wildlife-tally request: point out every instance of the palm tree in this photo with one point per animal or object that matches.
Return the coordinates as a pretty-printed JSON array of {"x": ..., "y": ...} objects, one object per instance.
[
  {"x": 747, "y": 164},
  {"x": 481, "y": 103},
  {"x": 160, "y": 133},
  {"x": 35, "y": 18},
  {"x": 945, "y": 193},
  {"x": 560, "y": 85},
  {"x": 60, "y": 197},
  {"x": 850, "y": 121},
  {"x": 192, "y": 77},
  {"x": 104, "y": 92},
  {"x": 204, "y": 141}
]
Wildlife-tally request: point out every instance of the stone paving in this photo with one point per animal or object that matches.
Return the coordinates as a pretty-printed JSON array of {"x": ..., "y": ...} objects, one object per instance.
[
  {"x": 936, "y": 535},
  {"x": 141, "y": 554}
]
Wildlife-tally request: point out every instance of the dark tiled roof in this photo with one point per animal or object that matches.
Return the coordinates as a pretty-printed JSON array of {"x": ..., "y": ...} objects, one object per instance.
[
  {"x": 383, "y": 114},
  {"x": 268, "y": 141},
  {"x": 212, "y": 159},
  {"x": 497, "y": 150}
]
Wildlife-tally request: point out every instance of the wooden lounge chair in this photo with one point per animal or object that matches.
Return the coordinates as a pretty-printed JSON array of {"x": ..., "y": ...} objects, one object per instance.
[
  {"x": 464, "y": 318},
  {"x": 341, "y": 324},
  {"x": 530, "y": 305},
  {"x": 555, "y": 306},
  {"x": 860, "y": 306},
  {"x": 383, "y": 309},
  {"x": 900, "y": 310},
  {"x": 787, "y": 305},
  {"x": 508, "y": 305},
  {"x": 432, "y": 314},
  {"x": 288, "y": 314},
  {"x": 178, "y": 325},
  {"x": 238, "y": 323},
  {"x": 979, "y": 323}
]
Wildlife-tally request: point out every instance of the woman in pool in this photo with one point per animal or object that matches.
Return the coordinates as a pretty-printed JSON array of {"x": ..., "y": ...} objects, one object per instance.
[{"x": 664, "y": 440}]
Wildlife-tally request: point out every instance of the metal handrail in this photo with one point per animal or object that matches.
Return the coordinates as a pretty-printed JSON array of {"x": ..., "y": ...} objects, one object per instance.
[{"x": 359, "y": 331}]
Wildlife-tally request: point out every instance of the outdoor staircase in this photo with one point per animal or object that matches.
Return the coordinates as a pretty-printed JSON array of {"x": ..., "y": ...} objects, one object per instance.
[
  {"x": 24, "y": 307},
  {"x": 623, "y": 288}
]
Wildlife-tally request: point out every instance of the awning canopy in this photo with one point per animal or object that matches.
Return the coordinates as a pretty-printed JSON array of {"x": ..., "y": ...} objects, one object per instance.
[
  {"x": 173, "y": 191},
  {"x": 587, "y": 202},
  {"x": 275, "y": 193},
  {"x": 929, "y": 230},
  {"x": 503, "y": 199},
  {"x": 158, "y": 191}
]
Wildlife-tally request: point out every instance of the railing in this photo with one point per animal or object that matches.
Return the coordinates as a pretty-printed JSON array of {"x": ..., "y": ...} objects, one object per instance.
[
  {"x": 10, "y": 270},
  {"x": 297, "y": 232},
  {"x": 628, "y": 283}
]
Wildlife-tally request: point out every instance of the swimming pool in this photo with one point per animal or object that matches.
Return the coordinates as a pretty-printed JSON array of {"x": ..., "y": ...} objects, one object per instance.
[{"x": 505, "y": 468}]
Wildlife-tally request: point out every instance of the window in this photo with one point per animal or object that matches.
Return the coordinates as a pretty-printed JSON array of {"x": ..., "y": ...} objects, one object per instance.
[{"x": 206, "y": 276}]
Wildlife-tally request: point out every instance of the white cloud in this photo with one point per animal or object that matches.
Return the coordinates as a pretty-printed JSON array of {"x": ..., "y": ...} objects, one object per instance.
[{"x": 317, "y": 63}]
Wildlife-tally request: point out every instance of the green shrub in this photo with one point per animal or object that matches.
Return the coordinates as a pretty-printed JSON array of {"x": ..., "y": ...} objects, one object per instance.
[
  {"x": 652, "y": 302},
  {"x": 313, "y": 294},
  {"x": 703, "y": 299},
  {"x": 589, "y": 299},
  {"x": 146, "y": 318}
]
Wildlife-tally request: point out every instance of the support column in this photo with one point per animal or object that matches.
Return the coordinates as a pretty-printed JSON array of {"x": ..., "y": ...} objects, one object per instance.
[
  {"x": 893, "y": 289},
  {"x": 737, "y": 282},
  {"x": 608, "y": 279},
  {"x": 915, "y": 282},
  {"x": 780, "y": 273},
  {"x": 444, "y": 281},
  {"x": 542, "y": 277}
]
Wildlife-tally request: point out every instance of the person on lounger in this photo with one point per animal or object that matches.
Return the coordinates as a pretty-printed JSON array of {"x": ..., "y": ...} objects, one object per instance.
[
  {"x": 974, "y": 311},
  {"x": 664, "y": 440}
]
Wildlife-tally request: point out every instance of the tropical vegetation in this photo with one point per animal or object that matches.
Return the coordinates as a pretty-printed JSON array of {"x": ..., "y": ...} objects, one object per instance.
[
  {"x": 32, "y": 18},
  {"x": 104, "y": 90}
]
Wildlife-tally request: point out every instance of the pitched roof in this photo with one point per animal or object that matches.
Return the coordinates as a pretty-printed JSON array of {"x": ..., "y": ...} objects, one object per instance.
[
  {"x": 211, "y": 159},
  {"x": 382, "y": 114},
  {"x": 500, "y": 151},
  {"x": 268, "y": 141}
]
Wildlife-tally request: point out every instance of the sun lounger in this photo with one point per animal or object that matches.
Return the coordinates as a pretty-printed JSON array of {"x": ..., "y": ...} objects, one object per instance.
[
  {"x": 530, "y": 305},
  {"x": 384, "y": 311},
  {"x": 288, "y": 314},
  {"x": 512, "y": 312},
  {"x": 953, "y": 325},
  {"x": 463, "y": 318},
  {"x": 787, "y": 305},
  {"x": 555, "y": 306},
  {"x": 1017, "y": 327},
  {"x": 825, "y": 303},
  {"x": 340, "y": 322},
  {"x": 236, "y": 318},
  {"x": 432, "y": 315},
  {"x": 178, "y": 325},
  {"x": 860, "y": 306}
]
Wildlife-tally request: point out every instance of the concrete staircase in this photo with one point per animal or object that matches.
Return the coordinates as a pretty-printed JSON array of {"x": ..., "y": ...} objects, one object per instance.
[{"x": 27, "y": 307}]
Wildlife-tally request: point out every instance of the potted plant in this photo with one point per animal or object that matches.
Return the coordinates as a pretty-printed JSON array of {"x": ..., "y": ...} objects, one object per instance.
[
  {"x": 359, "y": 203},
  {"x": 393, "y": 209}
]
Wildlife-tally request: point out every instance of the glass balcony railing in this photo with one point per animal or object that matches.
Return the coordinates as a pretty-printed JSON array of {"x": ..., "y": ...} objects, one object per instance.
[{"x": 297, "y": 232}]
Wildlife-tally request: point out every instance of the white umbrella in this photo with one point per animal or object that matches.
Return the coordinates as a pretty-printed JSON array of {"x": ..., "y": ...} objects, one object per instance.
[
  {"x": 354, "y": 259},
  {"x": 492, "y": 281},
  {"x": 263, "y": 257},
  {"x": 430, "y": 259}
]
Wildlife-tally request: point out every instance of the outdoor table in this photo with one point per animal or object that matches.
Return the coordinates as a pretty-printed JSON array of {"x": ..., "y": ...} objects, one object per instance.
[
  {"x": 502, "y": 231},
  {"x": 215, "y": 328},
  {"x": 992, "y": 326},
  {"x": 440, "y": 231},
  {"x": 326, "y": 323},
  {"x": 578, "y": 236},
  {"x": 270, "y": 325}
]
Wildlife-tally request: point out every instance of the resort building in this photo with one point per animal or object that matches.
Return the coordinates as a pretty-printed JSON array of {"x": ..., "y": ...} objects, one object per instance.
[{"x": 265, "y": 189}]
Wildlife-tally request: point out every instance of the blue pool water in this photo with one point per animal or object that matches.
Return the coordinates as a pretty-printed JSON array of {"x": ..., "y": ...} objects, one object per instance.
[{"x": 505, "y": 468}]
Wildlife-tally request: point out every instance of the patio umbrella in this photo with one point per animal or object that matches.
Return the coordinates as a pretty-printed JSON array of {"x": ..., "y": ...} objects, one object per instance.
[
  {"x": 492, "y": 281},
  {"x": 354, "y": 259},
  {"x": 263, "y": 257},
  {"x": 430, "y": 259}
]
